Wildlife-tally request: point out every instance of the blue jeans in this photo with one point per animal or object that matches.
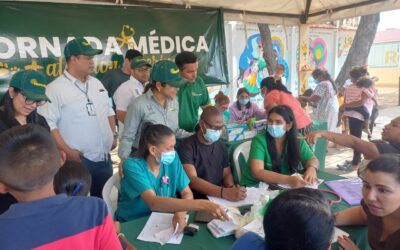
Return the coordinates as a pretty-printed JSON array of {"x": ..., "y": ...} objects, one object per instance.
[{"x": 101, "y": 171}]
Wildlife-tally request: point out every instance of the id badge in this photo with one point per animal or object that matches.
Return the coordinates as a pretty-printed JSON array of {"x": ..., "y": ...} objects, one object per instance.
[{"x": 90, "y": 109}]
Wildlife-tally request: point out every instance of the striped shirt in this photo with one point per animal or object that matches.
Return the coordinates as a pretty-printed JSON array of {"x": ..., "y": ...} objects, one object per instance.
[{"x": 58, "y": 222}]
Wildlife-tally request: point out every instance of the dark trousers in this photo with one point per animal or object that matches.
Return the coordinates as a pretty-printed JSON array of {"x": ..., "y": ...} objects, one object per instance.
[
  {"x": 101, "y": 171},
  {"x": 356, "y": 127},
  {"x": 362, "y": 110}
]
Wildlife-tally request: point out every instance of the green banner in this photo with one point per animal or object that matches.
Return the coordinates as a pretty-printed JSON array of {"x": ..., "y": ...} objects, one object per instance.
[{"x": 33, "y": 36}]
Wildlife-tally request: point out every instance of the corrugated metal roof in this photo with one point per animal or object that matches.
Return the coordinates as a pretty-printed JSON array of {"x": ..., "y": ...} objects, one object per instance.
[{"x": 390, "y": 35}]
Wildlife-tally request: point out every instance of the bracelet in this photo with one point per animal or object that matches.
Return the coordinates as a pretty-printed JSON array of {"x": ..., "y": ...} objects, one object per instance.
[
  {"x": 312, "y": 166},
  {"x": 121, "y": 234},
  {"x": 222, "y": 189}
]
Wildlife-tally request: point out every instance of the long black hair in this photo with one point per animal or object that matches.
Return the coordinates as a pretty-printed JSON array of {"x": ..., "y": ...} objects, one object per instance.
[
  {"x": 325, "y": 76},
  {"x": 292, "y": 144},
  {"x": 153, "y": 134},
  {"x": 239, "y": 92},
  {"x": 73, "y": 179},
  {"x": 299, "y": 219},
  {"x": 271, "y": 84},
  {"x": 9, "y": 111}
]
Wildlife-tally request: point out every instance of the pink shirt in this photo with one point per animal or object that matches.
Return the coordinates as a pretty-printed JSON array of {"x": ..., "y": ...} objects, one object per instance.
[
  {"x": 282, "y": 98},
  {"x": 241, "y": 116},
  {"x": 354, "y": 93}
]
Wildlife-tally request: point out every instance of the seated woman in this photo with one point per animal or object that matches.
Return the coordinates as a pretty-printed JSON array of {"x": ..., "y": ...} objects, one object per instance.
[
  {"x": 380, "y": 206},
  {"x": 277, "y": 94},
  {"x": 243, "y": 108},
  {"x": 296, "y": 219},
  {"x": 153, "y": 177},
  {"x": 277, "y": 153}
]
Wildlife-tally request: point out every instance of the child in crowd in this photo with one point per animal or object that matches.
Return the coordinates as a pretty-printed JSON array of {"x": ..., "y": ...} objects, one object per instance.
[
  {"x": 360, "y": 98},
  {"x": 29, "y": 159},
  {"x": 73, "y": 179}
]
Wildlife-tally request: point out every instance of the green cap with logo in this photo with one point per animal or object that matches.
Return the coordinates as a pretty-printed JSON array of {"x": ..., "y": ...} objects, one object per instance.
[
  {"x": 167, "y": 72},
  {"x": 138, "y": 62},
  {"x": 80, "y": 46},
  {"x": 31, "y": 83}
]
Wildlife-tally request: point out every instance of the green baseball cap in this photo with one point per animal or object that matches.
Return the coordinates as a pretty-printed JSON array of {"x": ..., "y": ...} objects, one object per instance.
[
  {"x": 167, "y": 72},
  {"x": 138, "y": 62},
  {"x": 80, "y": 46},
  {"x": 31, "y": 83}
]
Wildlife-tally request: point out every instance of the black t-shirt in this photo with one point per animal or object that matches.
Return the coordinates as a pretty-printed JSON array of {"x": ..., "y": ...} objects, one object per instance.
[
  {"x": 388, "y": 148},
  {"x": 209, "y": 160},
  {"x": 6, "y": 200}
]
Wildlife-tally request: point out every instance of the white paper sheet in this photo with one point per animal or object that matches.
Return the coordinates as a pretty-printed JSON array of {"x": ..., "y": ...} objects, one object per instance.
[
  {"x": 338, "y": 232},
  {"x": 313, "y": 186},
  {"x": 159, "y": 229},
  {"x": 253, "y": 195}
]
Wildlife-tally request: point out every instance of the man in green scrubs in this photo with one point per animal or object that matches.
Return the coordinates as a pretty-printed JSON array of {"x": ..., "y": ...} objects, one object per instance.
[{"x": 193, "y": 94}]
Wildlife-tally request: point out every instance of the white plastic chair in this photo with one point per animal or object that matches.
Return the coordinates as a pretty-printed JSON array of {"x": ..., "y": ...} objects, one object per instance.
[
  {"x": 242, "y": 149},
  {"x": 110, "y": 193}
]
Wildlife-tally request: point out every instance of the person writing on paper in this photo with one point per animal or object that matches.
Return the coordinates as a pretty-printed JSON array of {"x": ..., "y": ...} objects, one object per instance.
[
  {"x": 296, "y": 219},
  {"x": 390, "y": 141},
  {"x": 277, "y": 153},
  {"x": 380, "y": 206},
  {"x": 153, "y": 177},
  {"x": 205, "y": 159}
]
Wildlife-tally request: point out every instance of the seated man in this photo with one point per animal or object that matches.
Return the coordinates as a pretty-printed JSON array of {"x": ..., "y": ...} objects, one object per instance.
[
  {"x": 29, "y": 159},
  {"x": 390, "y": 141},
  {"x": 205, "y": 160}
]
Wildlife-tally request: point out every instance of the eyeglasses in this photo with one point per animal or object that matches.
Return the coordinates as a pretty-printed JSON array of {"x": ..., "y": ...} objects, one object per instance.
[
  {"x": 143, "y": 70},
  {"x": 30, "y": 102},
  {"x": 213, "y": 127}
]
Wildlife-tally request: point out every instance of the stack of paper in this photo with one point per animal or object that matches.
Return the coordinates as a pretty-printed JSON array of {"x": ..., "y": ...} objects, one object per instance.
[
  {"x": 159, "y": 229},
  {"x": 313, "y": 186},
  {"x": 219, "y": 228},
  {"x": 253, "y": 195}
]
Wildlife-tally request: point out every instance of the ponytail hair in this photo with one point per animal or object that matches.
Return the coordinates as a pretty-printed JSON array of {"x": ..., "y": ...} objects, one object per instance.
[
  {"x": 151, "y": 134},
  {"x": 152, "y": 86},
  {"x": 221, "y": 98}
]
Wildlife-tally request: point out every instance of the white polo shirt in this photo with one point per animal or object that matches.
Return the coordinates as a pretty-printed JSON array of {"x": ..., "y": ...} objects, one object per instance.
[
  {"x": 124, "y": 94},
  {"x": 90, "y": 134}
]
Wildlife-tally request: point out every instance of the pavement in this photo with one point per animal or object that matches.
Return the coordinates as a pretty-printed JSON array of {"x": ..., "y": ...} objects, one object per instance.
[{"x": 338, "y": 156}]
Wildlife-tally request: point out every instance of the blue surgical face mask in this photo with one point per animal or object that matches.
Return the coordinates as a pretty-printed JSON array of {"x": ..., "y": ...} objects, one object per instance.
[
  {"x": 212, "y": 135},
  {"x": 167, "y": 157},
  {"x": 276, "y": 131},
  {"x": 244, "y": 101}
]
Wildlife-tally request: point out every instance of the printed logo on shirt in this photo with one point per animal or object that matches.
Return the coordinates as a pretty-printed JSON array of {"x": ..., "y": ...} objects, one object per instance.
[
  {"x": 196, "y": 94},
  {"x": 174, "y": 71}
]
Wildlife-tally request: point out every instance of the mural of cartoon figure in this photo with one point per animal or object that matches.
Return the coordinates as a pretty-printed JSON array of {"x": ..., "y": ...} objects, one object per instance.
[
  {"x": 318, "y": 54},
  {"x": 251, "y": 62},
  {"x": 252, "y": 65}
]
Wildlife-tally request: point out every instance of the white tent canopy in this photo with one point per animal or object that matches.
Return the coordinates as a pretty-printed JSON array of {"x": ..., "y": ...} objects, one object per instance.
[
  {"x": 286, "y": 12},
  {"x": 283, "y": 12}
]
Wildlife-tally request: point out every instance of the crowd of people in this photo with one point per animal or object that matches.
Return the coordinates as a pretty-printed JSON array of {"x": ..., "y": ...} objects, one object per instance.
[{"x": 56, "y": 139}]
